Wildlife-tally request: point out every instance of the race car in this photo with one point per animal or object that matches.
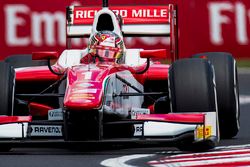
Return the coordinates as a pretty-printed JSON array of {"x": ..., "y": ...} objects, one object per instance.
[{"x": 110, "y": 93}]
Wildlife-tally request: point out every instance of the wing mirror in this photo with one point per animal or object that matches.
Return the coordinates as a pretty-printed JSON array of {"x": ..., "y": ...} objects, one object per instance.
[
  {"x": 158, "y": 53},
  {"x": 44, "y": 55},
  {"x": 47, "y": 56}
]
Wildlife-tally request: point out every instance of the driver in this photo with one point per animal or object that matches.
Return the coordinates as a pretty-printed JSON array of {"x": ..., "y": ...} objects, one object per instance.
[{"x": 105, "y": 46}]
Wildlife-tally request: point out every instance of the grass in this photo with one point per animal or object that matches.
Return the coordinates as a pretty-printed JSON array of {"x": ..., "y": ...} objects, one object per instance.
[{"x": 243, "y": 63}]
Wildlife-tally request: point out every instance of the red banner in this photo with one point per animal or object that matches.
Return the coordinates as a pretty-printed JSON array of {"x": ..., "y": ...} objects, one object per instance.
[
  {"x": 207, "y": 25},
  {"x": 212, "y": 25}
]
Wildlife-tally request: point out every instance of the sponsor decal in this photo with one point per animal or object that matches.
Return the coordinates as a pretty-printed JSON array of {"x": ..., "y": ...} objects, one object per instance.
[
  {"x": 55, "y": 115},
  {"x": 130, "y": 15},
  {"x": 84, "y": 90},
  {"x": 27, "y": 25},
  {"x": 81, "y": 96},
  {"x": 138, "y": 129},
  {"x": 84, "y": 85},
  {"x": 221, "y": 17},
  {"x": 202, "y": 133},
  {"x": 80, "y": 100},
  {"x": 45, "y": 130},
  {"x": 139, "y": 111}
]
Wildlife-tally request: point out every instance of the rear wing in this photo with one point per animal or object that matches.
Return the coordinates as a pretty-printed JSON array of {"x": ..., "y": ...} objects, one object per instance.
[{"x": 136, "y": 21}]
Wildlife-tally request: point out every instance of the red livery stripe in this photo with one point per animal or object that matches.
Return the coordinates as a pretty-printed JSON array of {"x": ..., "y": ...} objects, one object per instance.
[
  {"x": 14, "y": 119},
  {"x": 173, "y": 117},
  {"x": 227, "y": 158}
]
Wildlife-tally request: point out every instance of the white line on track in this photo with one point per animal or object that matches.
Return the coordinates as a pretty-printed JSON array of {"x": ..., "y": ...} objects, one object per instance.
[
  {"x": 245, "y": 146},
  {"x": 238, "y": 155},
  {"x": 121, "y": 161},
  {"x": 207, "y": 163},
  {"x": 244, "y": 99},
  {"x": 219, "y": 153}
]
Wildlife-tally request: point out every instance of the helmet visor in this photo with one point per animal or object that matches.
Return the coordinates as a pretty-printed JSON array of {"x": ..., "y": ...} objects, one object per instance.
[{"x": 106, "y": 52}]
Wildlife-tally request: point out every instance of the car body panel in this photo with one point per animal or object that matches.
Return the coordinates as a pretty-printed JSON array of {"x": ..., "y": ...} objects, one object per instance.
[{"x": 33, "y": 74}]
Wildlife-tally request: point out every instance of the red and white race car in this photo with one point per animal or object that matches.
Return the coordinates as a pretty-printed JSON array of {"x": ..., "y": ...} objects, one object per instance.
[{"x": 113, "y": 93}]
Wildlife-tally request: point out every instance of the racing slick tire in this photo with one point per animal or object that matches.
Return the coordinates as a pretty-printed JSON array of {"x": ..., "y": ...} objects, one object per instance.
[
  {"x": 7, "y": 85},
  {"x": 227, "y": 91},
  {"x": 192, "y": 90},
  {"x": 191, "y": 86},
  {"x": 24, "y": 60}
]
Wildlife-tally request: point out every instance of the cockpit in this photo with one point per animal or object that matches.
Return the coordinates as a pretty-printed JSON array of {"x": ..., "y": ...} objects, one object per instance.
[{"x": 105, "y": 23}]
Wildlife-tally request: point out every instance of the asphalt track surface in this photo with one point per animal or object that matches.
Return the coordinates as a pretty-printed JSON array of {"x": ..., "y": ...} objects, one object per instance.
[{"x": 118, "y": 155}]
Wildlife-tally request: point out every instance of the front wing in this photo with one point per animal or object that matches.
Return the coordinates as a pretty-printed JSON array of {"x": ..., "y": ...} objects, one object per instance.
[{"x": 173, "y": 127}]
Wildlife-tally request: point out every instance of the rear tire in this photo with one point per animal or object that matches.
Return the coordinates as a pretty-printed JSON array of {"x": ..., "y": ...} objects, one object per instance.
[
  {"x": 7, "y": 85},
  {"x": 227, "y": 91}
]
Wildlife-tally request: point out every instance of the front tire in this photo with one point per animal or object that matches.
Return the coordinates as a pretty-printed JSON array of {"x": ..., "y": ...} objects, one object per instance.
[
  {"x": 191, "y": 86},
  {"x": 7, "y": 86},
  {"x": 192, "y": 90},
  {"x": 227, "y": 91}
]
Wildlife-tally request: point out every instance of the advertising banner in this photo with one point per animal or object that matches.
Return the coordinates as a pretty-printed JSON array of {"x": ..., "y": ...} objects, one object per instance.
[{"x": 207, "y": 25}]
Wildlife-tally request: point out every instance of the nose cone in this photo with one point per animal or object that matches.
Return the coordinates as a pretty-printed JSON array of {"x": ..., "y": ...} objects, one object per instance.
[{"x": 85, "y": 89}]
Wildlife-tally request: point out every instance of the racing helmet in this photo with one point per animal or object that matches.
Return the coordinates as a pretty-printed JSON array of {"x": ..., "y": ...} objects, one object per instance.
[{"x": 107, "y": 45}]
